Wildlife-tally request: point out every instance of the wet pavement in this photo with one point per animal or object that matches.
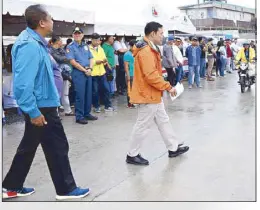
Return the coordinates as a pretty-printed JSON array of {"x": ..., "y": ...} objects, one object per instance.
[{"x": 217, "y": 122}]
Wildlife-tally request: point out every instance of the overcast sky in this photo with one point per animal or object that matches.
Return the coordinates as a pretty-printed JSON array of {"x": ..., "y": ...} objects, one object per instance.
[
  {"x": 131, "y": 4},
  {"x": 105, "y": 9}
]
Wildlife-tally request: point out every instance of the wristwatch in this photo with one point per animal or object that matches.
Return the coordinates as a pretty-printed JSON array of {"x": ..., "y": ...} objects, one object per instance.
[{"x": 88, "y": 68}]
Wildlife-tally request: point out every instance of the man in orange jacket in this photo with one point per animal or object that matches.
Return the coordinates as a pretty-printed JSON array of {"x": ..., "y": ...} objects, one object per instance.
[{"x": 147, "y": 90}]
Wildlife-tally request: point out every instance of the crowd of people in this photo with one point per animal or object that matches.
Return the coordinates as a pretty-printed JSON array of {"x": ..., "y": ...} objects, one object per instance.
[
  {"x": 110, "y": 71},
  {"x": 40, "y": 85},
  {"x": 98, "y": 72},
  {"x": 111, "y": 67},
  {"x": 202, "y": 55}
]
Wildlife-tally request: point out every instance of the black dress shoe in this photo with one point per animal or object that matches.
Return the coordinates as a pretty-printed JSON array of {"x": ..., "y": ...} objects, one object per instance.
[
  {"x": 91, "y": 118},
  {"x": 82, "y": 122},
  {"x": 179, "y": 151},
  {"x": 137, "y": 160}
]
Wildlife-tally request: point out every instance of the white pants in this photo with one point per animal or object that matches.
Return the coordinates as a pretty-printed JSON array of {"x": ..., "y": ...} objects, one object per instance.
[
  {"x": 147, "y": 113},
  {"x": 228, "y": 66},
  {"x": 65, "y": 97}
]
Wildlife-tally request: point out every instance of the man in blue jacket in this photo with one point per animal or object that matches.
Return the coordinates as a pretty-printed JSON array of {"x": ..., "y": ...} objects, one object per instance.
[
  {"x": 193, "y": 53},
  {"x": 37, "y": 96}
]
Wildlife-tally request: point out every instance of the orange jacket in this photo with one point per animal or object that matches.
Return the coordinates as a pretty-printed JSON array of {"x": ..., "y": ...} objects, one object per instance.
[{"x": 148, "y": 83}]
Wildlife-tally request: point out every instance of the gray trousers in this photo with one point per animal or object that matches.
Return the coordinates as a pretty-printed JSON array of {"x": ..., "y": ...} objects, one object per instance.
[{"x": 147, "y": 114}]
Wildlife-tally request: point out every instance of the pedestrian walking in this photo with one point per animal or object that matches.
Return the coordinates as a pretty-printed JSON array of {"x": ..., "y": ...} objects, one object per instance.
[
  {"x": 38, "y": 98},
  {"x": 147, "y": 89}
]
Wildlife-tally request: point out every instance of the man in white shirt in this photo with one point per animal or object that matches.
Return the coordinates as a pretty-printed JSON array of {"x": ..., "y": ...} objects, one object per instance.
[
  {"x": 186, "y": 44},
  {"x": 177, "y": 53},
  {"x": 235, "y": 49},
  {"x": 120, "y": 49}
]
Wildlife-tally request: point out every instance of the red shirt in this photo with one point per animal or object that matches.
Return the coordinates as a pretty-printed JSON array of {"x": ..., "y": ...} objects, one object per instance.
[{"x": 229, "y": 51}]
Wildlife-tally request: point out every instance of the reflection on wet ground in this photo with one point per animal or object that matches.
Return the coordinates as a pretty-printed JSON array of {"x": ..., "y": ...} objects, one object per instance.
[{"x": 217, "y": 122}]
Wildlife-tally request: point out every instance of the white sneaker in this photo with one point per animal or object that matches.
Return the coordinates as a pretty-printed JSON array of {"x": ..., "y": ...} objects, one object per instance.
[{"x": 109, "y": 109}]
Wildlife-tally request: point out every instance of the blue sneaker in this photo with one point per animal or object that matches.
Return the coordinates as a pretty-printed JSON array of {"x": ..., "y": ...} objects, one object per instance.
[
  {"x": 17, "y": 193},
  {"x": 77, "y": 193}
]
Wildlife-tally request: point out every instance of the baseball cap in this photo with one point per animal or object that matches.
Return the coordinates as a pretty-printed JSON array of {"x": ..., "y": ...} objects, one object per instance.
[
  {"x": 170, "y": 38},
  {"x": 77, "y": 29},
  {"x": 95, "y": 36},
  {"x": 132, "y": 43},
  {"x": 210, "y": 39},
  {"x": 246, "y": 43},
  {"x": 194, "y": 39},
  {"x": 178, "y": 39}
]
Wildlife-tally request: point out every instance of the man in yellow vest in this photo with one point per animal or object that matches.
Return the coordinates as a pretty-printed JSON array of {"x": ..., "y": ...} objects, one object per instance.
[
  {"x": 99, "y": 80},
  {"x": 246, "y": 54}
]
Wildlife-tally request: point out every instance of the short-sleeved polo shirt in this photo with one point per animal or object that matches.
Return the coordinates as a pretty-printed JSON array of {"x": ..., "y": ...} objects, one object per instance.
[{"x": 80, "y": 53}]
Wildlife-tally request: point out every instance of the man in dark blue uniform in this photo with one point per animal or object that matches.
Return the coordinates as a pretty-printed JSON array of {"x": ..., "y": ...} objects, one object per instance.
[{"x": 82, "y": 61}]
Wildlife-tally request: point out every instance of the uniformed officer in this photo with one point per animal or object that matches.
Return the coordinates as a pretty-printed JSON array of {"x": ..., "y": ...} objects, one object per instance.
[{"x": 82, "y": 61}]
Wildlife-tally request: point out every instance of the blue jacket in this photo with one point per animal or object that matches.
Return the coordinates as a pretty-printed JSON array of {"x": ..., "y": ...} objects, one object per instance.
[
  {"x": 190, "y": 57},
  {"x": 34, "y": 85}
]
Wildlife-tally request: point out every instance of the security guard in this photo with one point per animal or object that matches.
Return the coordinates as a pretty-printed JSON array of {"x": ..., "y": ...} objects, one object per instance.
[{"x": 82, "y": 61}]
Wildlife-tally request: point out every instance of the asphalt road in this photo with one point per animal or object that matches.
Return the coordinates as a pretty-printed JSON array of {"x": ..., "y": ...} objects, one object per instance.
[{"x": 217, "y": 122}]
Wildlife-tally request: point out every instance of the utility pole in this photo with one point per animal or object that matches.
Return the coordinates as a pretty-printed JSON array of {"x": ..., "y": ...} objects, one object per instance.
[{"x": 198, "y": 17}]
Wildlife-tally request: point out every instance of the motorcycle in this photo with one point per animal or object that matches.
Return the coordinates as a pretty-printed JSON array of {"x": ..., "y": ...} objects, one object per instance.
[{"x": 246, "y": 75}]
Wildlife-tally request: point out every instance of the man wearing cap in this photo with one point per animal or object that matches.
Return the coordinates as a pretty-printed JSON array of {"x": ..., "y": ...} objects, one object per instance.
[
  {"x": 99, "y": 80},
  {"x": 82, "y": 61},
  {"x": 246, "y": 54},
  {"x": 169, "y": 61},
  {"x": 193, "y": 53}
]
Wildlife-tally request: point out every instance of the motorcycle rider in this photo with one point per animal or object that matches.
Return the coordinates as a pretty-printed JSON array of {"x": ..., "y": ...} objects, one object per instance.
[{"x": 245, "y": 55}]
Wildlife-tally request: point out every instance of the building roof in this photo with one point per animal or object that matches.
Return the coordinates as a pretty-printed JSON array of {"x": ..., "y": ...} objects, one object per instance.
[
  {"x": 219, "y": 5},
  {"x": 17, "y": 8}
]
